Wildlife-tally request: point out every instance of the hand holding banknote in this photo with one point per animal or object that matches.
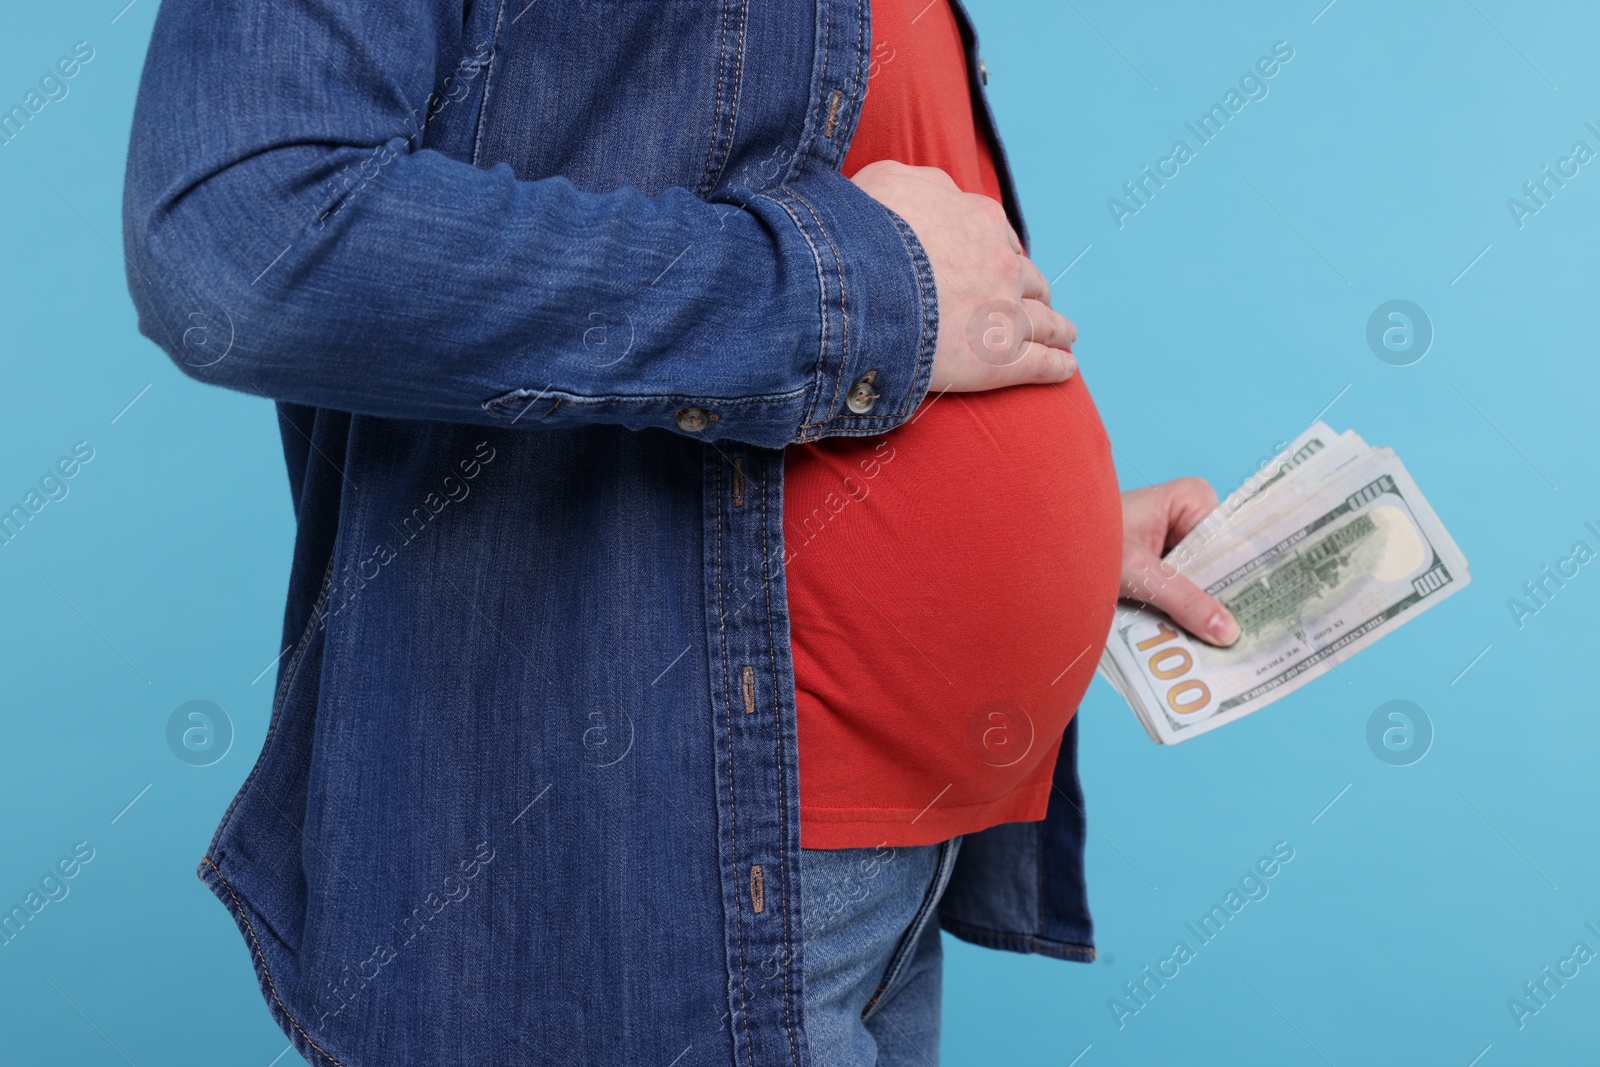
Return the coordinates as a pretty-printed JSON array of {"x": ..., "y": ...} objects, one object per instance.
[
  {"x": 1324, "y": 551},
  {"x": 1154, "y": 519}
]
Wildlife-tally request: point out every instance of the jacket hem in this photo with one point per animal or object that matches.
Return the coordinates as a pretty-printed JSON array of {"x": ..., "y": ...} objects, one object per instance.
[
  {"x": 1027, "y": 946},
  {"x": 210, "y": 874}
]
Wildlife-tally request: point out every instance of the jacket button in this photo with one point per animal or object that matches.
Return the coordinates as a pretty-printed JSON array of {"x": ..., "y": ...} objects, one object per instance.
[
  {"x": 693, "y": 420},
  {"x": 862, "y": 395}
]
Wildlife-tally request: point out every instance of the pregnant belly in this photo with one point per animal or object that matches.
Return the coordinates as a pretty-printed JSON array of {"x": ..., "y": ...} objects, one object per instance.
[{"x": 950, "y": 587}]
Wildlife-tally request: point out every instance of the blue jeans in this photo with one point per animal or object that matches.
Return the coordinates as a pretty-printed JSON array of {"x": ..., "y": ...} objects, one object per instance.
[{"x": 873, "y": 961}]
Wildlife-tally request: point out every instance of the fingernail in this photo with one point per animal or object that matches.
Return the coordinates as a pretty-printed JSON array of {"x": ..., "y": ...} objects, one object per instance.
[{"x": 1223, "y": 628}]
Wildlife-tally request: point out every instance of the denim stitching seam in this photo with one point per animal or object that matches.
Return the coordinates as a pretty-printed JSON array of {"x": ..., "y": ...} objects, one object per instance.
[
  {"x": 255, "y": 945},
  {"x": 822, "y": 305},
  {"x": 844, "y": 304},
  {"x": 495, "y": 406},
  {"x": 488, "y": 81},
  {"x": 738, "y": 82},
  {"x": 824, "y": 17},
  {"x": 290, "y": 671},
  {"x": 1044, "y": 946},
  {"x": 783, "y": 796},
  {"x": 913, "y": 934},
  {"x": 706, "y": 181},
  {"x": 733, "y": 806}
]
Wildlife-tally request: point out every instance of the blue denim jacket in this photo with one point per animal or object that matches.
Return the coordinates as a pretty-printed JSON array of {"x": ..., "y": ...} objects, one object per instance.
[{"x": 541, "y": 290}]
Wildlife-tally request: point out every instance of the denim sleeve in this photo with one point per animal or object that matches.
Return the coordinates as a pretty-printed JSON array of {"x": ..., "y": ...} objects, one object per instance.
[{"x": 436, "y": 289}]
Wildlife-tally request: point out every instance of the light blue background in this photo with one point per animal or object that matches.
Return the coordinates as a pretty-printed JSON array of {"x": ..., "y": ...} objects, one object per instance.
[{"x": 1218, "y": 321}]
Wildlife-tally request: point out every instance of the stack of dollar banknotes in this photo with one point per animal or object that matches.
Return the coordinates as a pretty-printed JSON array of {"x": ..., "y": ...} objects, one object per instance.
[{"x": 1323, "y": 551}]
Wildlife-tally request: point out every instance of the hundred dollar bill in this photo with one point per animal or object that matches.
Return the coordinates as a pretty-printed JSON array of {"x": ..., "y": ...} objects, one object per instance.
[
  {"x": 1349, "y": 552},
  {"x": 1279, "y": 483}
]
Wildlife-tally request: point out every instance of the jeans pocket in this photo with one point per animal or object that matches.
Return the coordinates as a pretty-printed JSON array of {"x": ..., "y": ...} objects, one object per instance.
[{"x": 906, "y": 949}]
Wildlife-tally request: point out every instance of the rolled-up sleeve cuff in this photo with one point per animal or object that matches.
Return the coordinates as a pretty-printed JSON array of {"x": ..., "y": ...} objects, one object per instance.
[{"x": 879, "y": 308}]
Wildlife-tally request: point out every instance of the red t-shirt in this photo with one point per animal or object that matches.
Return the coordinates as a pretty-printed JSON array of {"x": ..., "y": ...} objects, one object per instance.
[{"x": 951, "y": 583}]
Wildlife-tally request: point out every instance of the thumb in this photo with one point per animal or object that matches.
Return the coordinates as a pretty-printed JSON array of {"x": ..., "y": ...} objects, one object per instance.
[{"x": 1188, "y": 605}]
